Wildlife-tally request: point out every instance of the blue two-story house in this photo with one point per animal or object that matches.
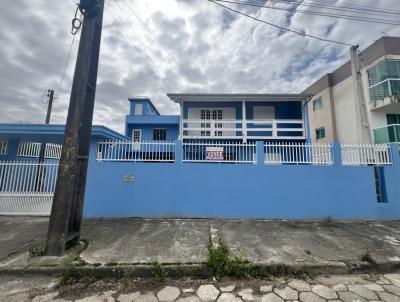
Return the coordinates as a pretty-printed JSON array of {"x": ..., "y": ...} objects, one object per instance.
[{"x": 233, "y": 117}]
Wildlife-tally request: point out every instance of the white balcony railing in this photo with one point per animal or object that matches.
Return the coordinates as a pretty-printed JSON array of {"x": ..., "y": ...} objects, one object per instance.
[
  {"x": 356, "y": 155},
  {"x": 238, "y": 129},
  {"x": 298, "y": 154}
]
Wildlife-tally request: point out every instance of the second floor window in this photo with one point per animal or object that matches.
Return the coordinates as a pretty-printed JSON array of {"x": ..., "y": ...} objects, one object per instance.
[
  {"x": 317, "y": 104},
  {"x": 320, "y": 133},
  {"x": 159, "y": 134}
]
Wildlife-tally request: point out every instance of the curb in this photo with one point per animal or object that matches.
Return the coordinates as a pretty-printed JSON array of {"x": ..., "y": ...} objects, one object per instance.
[{"x": 199, "y": 270}]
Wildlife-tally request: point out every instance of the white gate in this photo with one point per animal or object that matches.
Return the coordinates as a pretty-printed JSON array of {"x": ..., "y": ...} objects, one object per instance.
[{"x": 27, "y": 188}]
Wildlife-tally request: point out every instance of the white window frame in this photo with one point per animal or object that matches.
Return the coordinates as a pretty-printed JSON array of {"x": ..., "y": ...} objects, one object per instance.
[
  {"x": 138, "y": 109},
  {"x": 3, "y": 147},
  {"x": 133, "y": 135}
]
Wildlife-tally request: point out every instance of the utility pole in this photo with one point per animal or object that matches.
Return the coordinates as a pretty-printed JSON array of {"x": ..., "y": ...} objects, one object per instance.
[
  {"x": 363, "y": 128},
  {"x": 40, "y": 173},
  {"x": 66, "y": 212},
  {"x": 50, "y": 96}
]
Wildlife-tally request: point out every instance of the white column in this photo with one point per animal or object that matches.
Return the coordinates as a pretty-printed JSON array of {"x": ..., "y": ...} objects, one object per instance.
[
  {"x": 181, "y": 123},
  {"x": 244, "y": 124}
]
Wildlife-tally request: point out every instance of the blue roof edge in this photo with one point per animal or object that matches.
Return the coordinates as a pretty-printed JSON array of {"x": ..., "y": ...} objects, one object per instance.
[{"x": 57, "y": 129}]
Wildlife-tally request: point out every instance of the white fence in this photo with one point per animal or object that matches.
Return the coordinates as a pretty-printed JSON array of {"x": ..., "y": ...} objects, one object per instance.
[
  {"x": 298, "y": 153},
  {"x": 356, "y": 155},
  {"x": 31, "y": 149},
  {"x": 213, "y": 151},
  {"x": 143, "y": 151},
  {"x": 27, "y": 188}
]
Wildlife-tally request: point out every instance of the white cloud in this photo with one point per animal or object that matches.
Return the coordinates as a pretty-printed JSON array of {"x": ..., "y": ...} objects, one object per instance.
[{"x": 217, "y": 51}]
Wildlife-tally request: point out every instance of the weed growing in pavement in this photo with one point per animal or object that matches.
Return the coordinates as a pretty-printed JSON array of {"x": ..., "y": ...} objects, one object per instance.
[
  {"x": 159, "y": 272},
  {"x": 367, "y": 258},
  {"x": 36, "y": 250},
  {"x": 225, "y": 265}
]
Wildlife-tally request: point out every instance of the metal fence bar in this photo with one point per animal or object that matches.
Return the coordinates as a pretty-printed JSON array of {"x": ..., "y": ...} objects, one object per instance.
[
  {"x": 31, "y": 149},
  {"x": 143, "y": 151},
  {"x": 219, "y": 152},
  {"x": 298, "y": 153},
  {"x": 365, "y": 154},
  {"x": 26, "y": 188}
]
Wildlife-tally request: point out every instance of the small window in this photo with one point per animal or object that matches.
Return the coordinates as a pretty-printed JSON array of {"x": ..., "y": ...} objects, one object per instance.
[
  {"x": 159, "y": 134},
  {"x": 136, "y": 135},
  {"x": 3, "y": 147},
  {"x": 320, "y": 133},
  {"x": 317, "y": 104},
  {"x": 138, "y": 109}
]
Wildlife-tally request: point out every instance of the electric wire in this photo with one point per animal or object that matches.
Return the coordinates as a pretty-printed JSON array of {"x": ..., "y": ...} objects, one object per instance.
[
  {"x": 316, "y": 13},
  {"x": 342, "y": 7},
  {"x": 278, "y": 26},
  {"x": 66, "y": 64}
]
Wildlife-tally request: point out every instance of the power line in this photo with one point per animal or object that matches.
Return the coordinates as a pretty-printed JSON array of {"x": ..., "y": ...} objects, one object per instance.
[
  {"x": 342, "y": 7},
  {"x": 348, "y": 17},
  {"x": 280, "y": 27},
  {"x": 154, "y": 39},
  {"x": 151, "y": 68},
  {"x": 66, "y": 64}
]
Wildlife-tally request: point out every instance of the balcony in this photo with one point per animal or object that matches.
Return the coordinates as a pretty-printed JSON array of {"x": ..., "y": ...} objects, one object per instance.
[
  {"x": 387, "y": 134},
  {"x": 280, "y": 129}
]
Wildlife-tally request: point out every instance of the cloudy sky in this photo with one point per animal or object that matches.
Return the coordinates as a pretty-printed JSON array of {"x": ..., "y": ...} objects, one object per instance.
[{"x": 151, "y": 47}]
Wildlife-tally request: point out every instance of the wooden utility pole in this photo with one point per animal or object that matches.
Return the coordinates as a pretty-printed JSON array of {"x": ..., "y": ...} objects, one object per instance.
[
  {"x": 66, "y": 211},
  {"x": 363, "y": 128}
]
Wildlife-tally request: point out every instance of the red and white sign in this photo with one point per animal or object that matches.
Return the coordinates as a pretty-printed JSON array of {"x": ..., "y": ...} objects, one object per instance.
[{"x": 214, "y": 153}]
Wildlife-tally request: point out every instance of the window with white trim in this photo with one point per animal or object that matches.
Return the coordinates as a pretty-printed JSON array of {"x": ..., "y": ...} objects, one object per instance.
[
  {"x": 138, "y": 109},
  {"x": 159, "y": 134},
  {"x": 3, "y": 147},
  {"x": 136, "y": 135}
]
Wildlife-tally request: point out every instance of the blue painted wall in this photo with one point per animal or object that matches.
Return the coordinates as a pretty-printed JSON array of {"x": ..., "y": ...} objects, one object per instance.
[
  {"x": 147, "y": 106},
  {"x": 147, "y": 130},
  {"x": 239, "y": 191}
]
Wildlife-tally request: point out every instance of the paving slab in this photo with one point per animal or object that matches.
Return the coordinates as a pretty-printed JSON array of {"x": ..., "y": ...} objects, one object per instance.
[
  {"x": 271, "y": 241},
  {"x": 135, "y": 240},
  {"x": 18, "y": 232}
]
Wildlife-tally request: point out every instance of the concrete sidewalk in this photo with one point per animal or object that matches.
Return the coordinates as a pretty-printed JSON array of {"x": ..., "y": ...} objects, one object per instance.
[{"x": 168, "y": 241}]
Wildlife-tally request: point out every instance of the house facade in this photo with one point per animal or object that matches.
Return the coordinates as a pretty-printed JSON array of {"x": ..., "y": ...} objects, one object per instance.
[
  {"x": 333, "y": 109},
  {"x": 228, "y": 117}
]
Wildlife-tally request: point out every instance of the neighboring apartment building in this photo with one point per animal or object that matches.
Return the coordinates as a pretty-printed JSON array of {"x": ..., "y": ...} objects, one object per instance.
[{"x": 332, "y": 109}]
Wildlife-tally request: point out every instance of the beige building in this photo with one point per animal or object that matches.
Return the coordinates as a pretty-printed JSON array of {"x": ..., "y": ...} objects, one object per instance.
[{"x": 333, "y": 110}]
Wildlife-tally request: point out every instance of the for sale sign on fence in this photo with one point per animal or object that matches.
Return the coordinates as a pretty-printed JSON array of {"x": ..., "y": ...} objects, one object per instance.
[{"x": 214, "y": 153}]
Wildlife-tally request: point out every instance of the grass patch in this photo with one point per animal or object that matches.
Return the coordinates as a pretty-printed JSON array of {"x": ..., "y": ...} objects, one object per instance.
[
  {"x": 366, "y": 257},
  {"x": 159, "y": 272},
  {"x": 225, "y": 265},
  {"x": 36, "y": 250}
]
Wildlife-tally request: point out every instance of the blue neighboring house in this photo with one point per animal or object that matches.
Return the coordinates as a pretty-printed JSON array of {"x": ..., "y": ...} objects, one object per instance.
[
  {"x": 226, "y": 117},
  {"x": 145, "y": 123}
]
